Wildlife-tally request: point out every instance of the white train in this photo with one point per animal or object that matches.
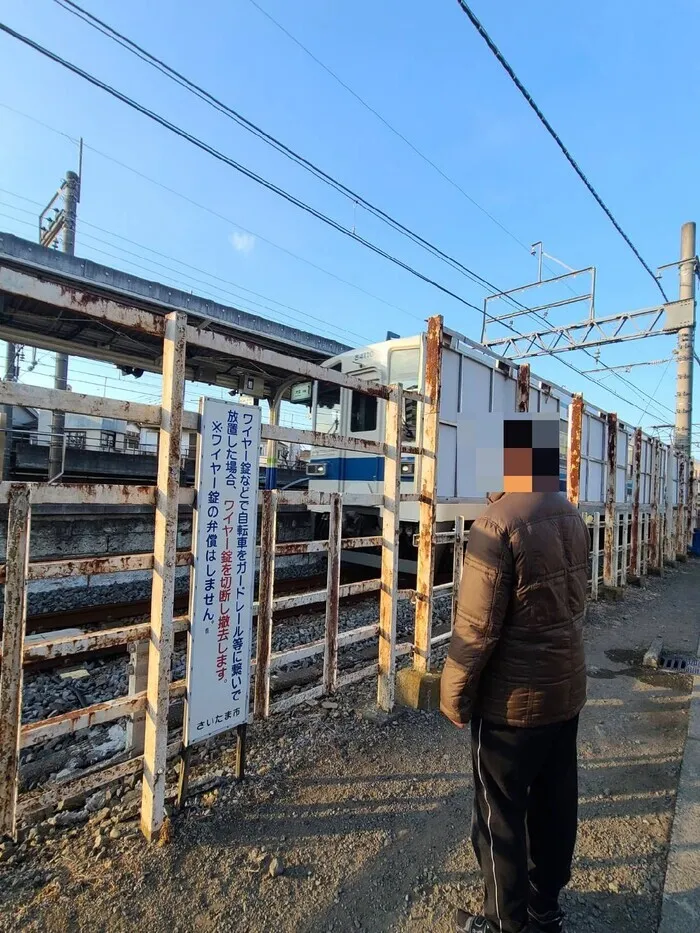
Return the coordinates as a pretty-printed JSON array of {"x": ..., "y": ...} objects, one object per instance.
[{"x": 474, "y": 381}]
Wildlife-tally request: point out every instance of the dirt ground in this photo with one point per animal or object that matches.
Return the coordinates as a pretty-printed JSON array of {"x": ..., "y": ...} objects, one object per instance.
[{"x": 354, "y": 821}]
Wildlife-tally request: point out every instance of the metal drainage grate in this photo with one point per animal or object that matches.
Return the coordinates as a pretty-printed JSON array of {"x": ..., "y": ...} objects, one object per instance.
[{"x": 676, "y": 664}]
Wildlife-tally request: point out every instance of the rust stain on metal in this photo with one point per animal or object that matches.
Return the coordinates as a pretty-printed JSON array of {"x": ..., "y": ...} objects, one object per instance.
[
  {"x": 692, "y": 497},
  {"x": 13, "y": 633},
  {"x": 523, "y": 388},
  {"x": 609, "y": 575},
  {"x": 95, "y": 305},
  {"x": 67, "y": 645},
  {"x": 370, "y": 541},
  {"x": 330, "y": 658},
  {"x": 681, "y": 544},
  {"x": 654, "y": 556},
  {"x": 75, "y": 720},
  {"x": 390, "y": 551},
  {"x": 428, "y": 494},
  {"x": 268, "y": 535},
  {"x": 573, "y": 478},
  {"x": 637, "y": 482},
  {"x": 249, "y": 350},
  {"x": 163, "y": 589},
  {"x": 294, "y": 548}
]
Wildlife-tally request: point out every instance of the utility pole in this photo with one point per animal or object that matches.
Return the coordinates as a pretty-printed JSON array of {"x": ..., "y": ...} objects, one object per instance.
[
  {"x": 686, "y": 341},
  {"x": 71, "y": 195}
]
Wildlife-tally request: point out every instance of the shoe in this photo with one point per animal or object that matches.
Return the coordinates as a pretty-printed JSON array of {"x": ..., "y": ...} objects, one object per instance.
[
  {"x": 470, "y": 923},
  {"x": 552, "y": 922}
]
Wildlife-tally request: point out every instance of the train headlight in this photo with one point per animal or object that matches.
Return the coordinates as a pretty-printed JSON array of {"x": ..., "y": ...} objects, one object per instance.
[
  {"x": 408, "y": 468},
  {"x": 315, "y": 469}
]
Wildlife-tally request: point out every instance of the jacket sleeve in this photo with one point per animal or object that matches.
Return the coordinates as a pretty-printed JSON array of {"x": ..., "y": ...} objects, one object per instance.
[{"x": 482, "y": 604}]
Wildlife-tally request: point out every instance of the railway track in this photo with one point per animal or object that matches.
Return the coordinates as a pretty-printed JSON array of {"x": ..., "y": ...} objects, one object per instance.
[{"x": 95, "y": 618}]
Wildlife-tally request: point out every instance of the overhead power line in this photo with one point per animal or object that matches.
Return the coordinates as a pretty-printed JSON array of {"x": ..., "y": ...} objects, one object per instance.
[
  {"x": 353, "y": 196},
  {"x": 221, "y": 157},
  {"x": 207, "y": 97},
  {"x": 211, "y": 211},
  {"x": 239, "y": 167},
  {"x": 392, "y": 129},
  {"x": 181, "y": 263},
  {"x": 557, "y": 139},
  {"x": 604, "y": 370}
]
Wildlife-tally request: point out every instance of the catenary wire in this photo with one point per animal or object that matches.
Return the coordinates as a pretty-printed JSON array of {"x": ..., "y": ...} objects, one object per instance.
[
  {"x": 557, "y": 139},
  {"x": 232, "y": 163},
  {"x": 581, "y": 373},
  {"x": 658, "y": 405},
  {"x": 180, "y": 262},
  {"x": 204, "y": 95},
  {"x": 95, "y": 81},
  {"x": 210, "y": 211}
]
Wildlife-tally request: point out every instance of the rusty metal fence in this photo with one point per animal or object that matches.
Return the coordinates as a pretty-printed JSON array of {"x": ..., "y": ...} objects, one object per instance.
[
  {"x": 150, "y": 643},
  {"x": 631, "y": 534}
]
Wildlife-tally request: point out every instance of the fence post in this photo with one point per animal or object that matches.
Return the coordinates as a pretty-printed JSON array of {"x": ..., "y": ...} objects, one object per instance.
[
  {"x": 390, "y": 550},
  {"x": 681, "y": 548},
  {"x": 428, "y": 496},
  {"x": 635, "y": 551},
  {"x": 522, "y": 397},
  {"x": 13, "y": 631},
  {"x": 138, "y": 681},
  {"x": 595, "y": 557},
  {"x": 330, "y": 656},
  {"x": 573, "y": 456},
  {"x": 655, "y": 563},
  {"x": 266, "y": 587},
  {"x": 690, "y": 511},
  {"x": 160, "y": 647},
  {"x": 611, "y": 529},
  {"x": 457, "y": 564},
  {"x": 669, "y": 548}
]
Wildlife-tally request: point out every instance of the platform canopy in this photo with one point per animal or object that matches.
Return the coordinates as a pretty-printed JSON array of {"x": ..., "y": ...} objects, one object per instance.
[{"x": 53, "y": 301}]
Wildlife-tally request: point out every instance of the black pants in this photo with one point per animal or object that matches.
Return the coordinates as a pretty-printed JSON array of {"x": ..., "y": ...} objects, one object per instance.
[{"x": 525, "y": 817}]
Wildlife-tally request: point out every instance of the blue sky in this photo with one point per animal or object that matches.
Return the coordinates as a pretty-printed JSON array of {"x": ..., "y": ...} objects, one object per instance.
[{"x": 610, "y": 82}]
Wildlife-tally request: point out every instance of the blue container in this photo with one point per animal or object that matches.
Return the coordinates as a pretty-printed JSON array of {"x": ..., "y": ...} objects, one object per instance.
[{"x": 695, "y": 547}]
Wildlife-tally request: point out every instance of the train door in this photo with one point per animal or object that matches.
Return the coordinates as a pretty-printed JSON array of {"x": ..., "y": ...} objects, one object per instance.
[{"x": 363, "y": 471}]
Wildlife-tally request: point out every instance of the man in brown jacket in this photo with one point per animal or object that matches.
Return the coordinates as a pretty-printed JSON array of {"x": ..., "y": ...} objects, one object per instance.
[{"x": 515, "y": 669}]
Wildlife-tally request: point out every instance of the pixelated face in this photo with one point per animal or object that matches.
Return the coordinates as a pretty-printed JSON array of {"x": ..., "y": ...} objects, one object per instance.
[{"x": 530, "y": 455}]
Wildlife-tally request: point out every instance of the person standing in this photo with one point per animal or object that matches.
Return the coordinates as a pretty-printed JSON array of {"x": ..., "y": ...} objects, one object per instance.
[{"x": 516, "y": 671}]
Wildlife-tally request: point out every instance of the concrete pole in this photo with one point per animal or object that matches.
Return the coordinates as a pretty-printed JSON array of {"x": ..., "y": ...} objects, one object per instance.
[
  {"x": 58, "y": 420},
  {"x": 686, "y": 339}
]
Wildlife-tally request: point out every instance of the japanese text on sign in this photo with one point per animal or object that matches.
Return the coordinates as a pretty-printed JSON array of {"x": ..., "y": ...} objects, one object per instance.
[{"x": 223, "y": 574}]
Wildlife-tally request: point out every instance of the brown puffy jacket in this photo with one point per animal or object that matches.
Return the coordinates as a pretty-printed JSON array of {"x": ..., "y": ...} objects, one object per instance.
[{"x": 516, "y": 654}]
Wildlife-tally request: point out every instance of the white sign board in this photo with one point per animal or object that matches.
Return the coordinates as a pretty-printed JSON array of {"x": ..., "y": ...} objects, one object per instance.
[
  {"x": 301, "y": 392},
  {"x": 223, "y": 573}
]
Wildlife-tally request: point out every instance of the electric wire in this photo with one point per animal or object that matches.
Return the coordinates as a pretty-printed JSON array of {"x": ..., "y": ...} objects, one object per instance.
[
  {"x": 557, "y": 139},
  {"x": 84, "y": 223},
  {"x": 232, "y": 163},
  {"x": 204, "y": 95}
]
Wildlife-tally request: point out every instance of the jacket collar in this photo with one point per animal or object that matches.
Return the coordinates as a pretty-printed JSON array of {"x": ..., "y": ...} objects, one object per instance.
[{"x": 495, "y": 496}]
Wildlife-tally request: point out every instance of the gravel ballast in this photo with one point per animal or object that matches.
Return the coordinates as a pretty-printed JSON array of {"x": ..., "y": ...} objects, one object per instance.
[{"x": 352, "y": 820}]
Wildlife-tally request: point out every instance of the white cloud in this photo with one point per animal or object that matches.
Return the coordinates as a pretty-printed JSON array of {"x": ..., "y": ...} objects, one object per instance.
[{"x": 242, "y": 242}]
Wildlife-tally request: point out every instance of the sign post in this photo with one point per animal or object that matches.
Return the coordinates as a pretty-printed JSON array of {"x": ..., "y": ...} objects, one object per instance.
[{"x": 223, "y": 574}]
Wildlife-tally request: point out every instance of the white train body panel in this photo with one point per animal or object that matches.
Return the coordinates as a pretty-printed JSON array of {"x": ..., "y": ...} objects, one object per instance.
[{"x": 474, "y": 382}]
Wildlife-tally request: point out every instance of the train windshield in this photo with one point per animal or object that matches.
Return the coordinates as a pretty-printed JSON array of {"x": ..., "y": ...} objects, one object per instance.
[{"x": 404, "y": 370}]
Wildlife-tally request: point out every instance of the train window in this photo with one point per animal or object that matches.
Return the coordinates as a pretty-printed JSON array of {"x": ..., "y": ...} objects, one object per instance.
[
  {"x": 363, "y": 413},
  {"x": 108, "y": 440},
  {"x": 404, "y": 371},
  {"x": 328, "y": 409}
]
